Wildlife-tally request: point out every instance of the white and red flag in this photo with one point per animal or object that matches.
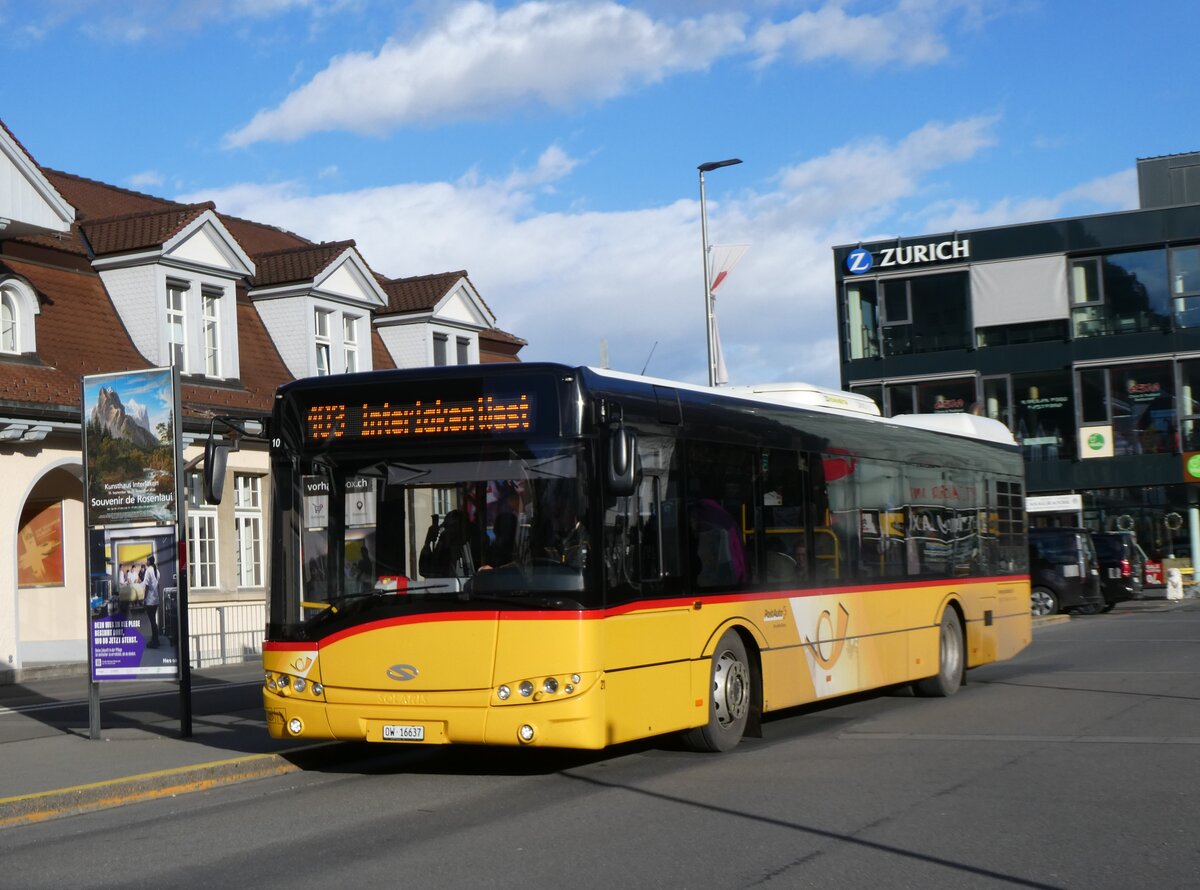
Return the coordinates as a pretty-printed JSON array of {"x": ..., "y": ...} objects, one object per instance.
[{"x": 724, "y": 258}]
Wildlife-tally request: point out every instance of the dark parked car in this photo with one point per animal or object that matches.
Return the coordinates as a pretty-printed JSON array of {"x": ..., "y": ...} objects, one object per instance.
[
  {"x": 1063, "y": 572},
  {"x": 1122, "y": 566}
]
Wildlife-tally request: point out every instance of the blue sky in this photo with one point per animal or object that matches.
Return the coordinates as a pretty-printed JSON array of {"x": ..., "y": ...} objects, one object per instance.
[{"x": 550, "y": 148}]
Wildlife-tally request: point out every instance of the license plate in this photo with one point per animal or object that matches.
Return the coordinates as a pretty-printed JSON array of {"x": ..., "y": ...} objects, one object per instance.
[{"x": 393, "y": 732}]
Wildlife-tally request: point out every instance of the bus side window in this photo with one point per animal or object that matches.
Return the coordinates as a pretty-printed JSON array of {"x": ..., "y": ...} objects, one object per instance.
[
  {"x": 721, "y": 511},
  {"x": 641, "y": 551}
]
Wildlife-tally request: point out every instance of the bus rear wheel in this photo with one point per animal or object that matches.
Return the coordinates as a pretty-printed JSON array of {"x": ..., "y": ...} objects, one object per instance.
[
  {"x": 729, "y": 704},
  {"x": 950, "y": 659}
]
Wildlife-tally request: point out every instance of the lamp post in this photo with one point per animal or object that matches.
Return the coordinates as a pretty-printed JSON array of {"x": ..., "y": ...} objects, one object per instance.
[{"x": 708, "y": 300}]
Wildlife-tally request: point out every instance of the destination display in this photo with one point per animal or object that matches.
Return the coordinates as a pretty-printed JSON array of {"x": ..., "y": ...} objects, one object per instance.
[{"x": 422, "y": 417}]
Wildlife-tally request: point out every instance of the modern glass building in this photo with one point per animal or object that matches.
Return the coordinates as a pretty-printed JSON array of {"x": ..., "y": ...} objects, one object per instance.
[{"x": 1082, "y": 335}]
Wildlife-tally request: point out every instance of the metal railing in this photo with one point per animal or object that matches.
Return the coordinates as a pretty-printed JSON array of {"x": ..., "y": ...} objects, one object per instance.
[{"x": 228, "y": 634}]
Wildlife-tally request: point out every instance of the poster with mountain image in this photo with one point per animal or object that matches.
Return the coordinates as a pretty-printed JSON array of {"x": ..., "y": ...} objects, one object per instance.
[{"x": 129, "y": 435}]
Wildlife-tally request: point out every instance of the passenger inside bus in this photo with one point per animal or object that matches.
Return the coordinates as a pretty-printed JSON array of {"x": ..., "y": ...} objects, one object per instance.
[
  {"x": 717, "y": 543},
  {"x": 448, "y": 551},
  {"x": 500, "y": 549}
]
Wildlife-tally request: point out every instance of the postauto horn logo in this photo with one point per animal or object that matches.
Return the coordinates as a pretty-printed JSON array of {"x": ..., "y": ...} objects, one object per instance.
[{"x": 860, "y": 260}]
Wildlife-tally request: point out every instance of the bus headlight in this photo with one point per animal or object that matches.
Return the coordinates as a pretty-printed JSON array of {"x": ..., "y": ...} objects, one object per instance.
[
  {"x": 525, "y": 733},
  {"x": 526, "y": 689},
  {"x": 298, "y": 684},
  {"x": 295, "y": 726},
  {"x": 550, "y": 686},
  {"x": 318, "y": 689},
  {"x": 503, "y": 693}
]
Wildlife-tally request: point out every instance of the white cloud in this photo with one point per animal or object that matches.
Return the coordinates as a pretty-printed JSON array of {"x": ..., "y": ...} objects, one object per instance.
[
  {"x": 565, "y": 281},
  {"x": 908, "y": 34},
  {"x": 482, "y": 62},
  {"x": 1115, "y": 192},
  {"x": 147, "y": 179}
]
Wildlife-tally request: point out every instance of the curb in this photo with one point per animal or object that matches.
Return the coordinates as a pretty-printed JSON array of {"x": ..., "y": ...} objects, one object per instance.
[{"x": 46, "y": 805}]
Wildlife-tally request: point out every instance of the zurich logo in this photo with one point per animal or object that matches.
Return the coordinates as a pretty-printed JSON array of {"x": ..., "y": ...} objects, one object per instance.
[
  {"x": 859, "y": 261},
  {"x": 402, "y": 672}
]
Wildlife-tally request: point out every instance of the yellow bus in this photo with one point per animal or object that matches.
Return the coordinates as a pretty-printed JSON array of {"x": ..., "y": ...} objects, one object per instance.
[{"x": 542, "y": 555}]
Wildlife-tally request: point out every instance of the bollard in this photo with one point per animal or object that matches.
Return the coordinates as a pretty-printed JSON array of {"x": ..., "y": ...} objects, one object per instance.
[{"x": 1174, "y": 584}]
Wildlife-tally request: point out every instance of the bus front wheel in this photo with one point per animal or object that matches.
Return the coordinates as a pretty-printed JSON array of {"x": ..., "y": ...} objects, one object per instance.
[
  {"x": 950, "y": 659},
  {"x": 729, "y": 704}
]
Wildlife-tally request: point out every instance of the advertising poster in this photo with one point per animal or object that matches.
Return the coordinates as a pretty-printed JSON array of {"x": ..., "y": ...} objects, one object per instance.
[
  {"x": 133, "y": 617},
  {"x": 134, "y": 597},
  {"x": 129, "y": 438},
  {"x": 40, "y": 546}
]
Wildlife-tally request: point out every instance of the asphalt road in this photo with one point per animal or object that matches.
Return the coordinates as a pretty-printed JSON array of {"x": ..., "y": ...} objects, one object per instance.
[{"x": 1072, "y": 766}]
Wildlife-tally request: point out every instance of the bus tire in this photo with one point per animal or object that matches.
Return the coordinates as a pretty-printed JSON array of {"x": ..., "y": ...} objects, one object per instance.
[
  {"x": 950, "y": 659},
  {"x": 729, "y": 703}
]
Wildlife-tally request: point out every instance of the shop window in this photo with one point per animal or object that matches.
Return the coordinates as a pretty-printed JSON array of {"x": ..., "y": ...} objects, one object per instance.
[
  {"x": 1185, "y": 285},
  {"x": 901, "y": 399},
  {"x": 925, "y": 313},
  {"x": 1122, "y": 293},
  {"x": 873, "y": 391},
  {"x": 862, "y": 320},
  {"x": 997, "y": 400},
  {"x": 946, "y": 396},
  {"x": 1143, "y": 409},
  {"x": 1189, "y": 404},
  {"x": 1139, "y": 403},
  {"x": 1031, "y": 332},
  {"x": 1043, "y": 415}
]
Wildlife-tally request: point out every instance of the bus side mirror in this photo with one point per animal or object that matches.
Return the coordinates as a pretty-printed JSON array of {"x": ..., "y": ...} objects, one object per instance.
[
  {"x": 620, "y": 468},
  {"x": 216, "y": 453}
]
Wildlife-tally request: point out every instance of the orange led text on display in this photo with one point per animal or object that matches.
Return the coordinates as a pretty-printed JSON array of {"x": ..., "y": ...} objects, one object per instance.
[{"x": 485, "y": 414}]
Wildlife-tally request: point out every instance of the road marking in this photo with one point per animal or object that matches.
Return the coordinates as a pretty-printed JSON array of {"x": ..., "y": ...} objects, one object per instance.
[{"x": 44, "y": 805}]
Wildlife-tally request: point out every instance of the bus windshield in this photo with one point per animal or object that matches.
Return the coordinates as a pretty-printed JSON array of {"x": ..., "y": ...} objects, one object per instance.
[{"x": 503, "y": 525}]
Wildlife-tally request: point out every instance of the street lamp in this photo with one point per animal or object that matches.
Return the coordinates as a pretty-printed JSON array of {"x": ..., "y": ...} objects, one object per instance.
[{"x": 708, "y": 300}]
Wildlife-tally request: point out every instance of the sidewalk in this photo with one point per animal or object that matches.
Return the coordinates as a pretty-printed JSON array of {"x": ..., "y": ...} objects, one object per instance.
[{"x": 53, "y": 768}]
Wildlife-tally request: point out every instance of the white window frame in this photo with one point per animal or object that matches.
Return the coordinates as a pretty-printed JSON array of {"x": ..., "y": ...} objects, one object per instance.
[
  {"x": 203, "y": 545},
  {"x": 9, "y": 324},
  {"x": 177, "y": 350},
  {"x": 321, "y": 342},
  {"x": 350, "y": 342},
  {"x": 248, "y": 526},
  {"x": 210, "y": 307}
]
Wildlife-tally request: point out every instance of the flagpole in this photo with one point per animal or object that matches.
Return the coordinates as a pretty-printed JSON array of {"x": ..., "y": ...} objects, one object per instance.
[{"x": 708, "y": 297}]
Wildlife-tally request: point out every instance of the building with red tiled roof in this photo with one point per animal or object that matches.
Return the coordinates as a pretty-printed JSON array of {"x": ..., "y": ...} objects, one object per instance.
[{"x": 96, "y": 279}]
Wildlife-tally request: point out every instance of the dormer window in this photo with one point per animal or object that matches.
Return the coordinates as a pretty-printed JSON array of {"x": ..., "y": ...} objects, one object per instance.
[
  {"x": 177, "y": 324},
  {"x": 18, "y": 308},
  {"x": 196, "y": 322},
  {"x": 8, "y": 323},
  {"x": 211, "y": 307},
  {"x": 350, "y": 342},
  {"x": 321, "y": 337}
]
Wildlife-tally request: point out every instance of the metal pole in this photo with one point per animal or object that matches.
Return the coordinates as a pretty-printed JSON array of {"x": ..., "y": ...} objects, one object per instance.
[
  {"x": 708, "y": 308},
  {"x": 708, "y": 300}
]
